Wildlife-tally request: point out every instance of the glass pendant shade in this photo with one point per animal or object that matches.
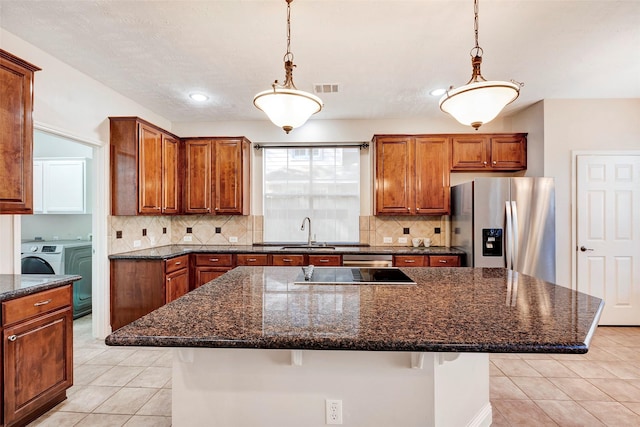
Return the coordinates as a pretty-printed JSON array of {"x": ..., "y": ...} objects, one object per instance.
[
  {"x": 287, "y": 108},
  {"x": 479, "y": 102}
]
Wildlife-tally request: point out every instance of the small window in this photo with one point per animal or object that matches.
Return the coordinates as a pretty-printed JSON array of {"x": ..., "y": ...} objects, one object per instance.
[{"x": 321, "y": 183}]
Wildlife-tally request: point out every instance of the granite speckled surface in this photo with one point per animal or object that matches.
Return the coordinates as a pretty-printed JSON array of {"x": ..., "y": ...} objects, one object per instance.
[
  {"x": 449, "y": 310},
  {"x": 171, "y": 251},
  {"x": 18, "y": 285}
]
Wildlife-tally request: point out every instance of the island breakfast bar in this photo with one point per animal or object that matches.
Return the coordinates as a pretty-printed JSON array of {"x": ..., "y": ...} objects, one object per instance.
[{"x": 254, "y": 348}]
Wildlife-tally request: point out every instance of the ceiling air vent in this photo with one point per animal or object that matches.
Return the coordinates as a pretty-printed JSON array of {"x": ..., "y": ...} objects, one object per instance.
[{"x": 325, "y": 88}]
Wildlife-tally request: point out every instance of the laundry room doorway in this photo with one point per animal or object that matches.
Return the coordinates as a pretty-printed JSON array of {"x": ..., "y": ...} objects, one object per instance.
[{"x": 58, "y": 237}]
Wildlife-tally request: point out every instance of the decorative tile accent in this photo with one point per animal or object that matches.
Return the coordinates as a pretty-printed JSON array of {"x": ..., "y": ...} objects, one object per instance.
[{"x": 393, "y": 226}]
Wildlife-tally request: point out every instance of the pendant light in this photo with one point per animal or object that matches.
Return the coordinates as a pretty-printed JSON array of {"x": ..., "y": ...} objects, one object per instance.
[
  {"x": 285, "y": 105},
  {"x": 479, "y": 101}
]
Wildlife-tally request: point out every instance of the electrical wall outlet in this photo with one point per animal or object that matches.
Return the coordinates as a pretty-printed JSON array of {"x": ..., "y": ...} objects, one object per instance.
[
  {"x": 387, "y": 239},
  {"x": 188, "y": 238},
  {"x": 333, "y": 409},
  {"x": 137, "y": 243},
  {"x": 402, "y": 240},
  {"x": 233, "y": 239}
]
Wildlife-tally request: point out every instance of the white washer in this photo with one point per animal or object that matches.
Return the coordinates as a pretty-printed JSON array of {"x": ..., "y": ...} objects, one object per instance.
[{"x": 42, "y": 258}]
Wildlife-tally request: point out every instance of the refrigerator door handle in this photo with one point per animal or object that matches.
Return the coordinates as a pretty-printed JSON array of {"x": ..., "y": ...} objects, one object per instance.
[
  {"x": 509, "y": 234},
  {"x": 514, "y": 250}
]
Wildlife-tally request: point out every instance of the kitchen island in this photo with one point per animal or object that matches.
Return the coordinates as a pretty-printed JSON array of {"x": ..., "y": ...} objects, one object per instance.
[{"x": 252, "y": 346}]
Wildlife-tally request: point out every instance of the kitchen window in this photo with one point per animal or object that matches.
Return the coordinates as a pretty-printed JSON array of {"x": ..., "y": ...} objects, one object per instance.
[{"x": 321, "y": 183}]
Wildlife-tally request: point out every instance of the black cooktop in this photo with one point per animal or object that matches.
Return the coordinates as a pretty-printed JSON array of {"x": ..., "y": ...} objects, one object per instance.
[{"x": 356, "y": 276}]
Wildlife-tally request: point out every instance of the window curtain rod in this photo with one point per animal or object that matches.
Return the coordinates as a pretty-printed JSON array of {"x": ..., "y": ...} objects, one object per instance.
[{"x": 362, "y": 145}]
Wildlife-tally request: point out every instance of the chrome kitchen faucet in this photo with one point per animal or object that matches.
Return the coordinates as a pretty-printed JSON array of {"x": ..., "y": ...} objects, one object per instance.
[{"x": 306, "y": 218}]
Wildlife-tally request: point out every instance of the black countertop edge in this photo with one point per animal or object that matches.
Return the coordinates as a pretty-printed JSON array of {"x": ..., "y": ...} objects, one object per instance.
[
  {"x": 172, "y": 251},
  {"x": 56, "y": 281},
  {"x": 179, "y": 342}
]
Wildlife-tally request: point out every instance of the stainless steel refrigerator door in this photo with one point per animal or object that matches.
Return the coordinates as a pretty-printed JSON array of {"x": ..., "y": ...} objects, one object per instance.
[
  {"x": 533, "y": 206},
  {"x": 489, "y": 197}
]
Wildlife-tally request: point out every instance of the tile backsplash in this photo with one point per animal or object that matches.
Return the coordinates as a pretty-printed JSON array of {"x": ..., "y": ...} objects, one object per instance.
[{"x": 144, "y": 232}]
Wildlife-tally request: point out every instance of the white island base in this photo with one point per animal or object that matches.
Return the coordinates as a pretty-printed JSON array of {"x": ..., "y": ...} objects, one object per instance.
[{"x": 247, "y": 387}]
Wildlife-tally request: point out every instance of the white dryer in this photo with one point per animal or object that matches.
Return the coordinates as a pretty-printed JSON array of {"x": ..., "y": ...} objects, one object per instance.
[{"x": 42, "y": 258}]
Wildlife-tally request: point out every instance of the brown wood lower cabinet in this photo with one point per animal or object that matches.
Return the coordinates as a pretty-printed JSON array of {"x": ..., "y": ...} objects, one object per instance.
[
  {"x": 176, "y": 277},
  {"x": 325, "y": 260},
  {"x": 252, "y": 259},
  {"x": 288, "y": 260},
  {"x": 210, "y": 266},
  {"x": 426, "y": 261},
  {"x": 444, "y": 261},
  {"x": 37, "y": 353}
]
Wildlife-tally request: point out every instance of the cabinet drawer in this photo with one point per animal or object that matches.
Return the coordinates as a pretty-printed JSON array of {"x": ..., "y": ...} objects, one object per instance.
[
  {"x": 409, "y": 261},
  {"x": 214, "y": 260},
  {"x": 32, "y": 305},
  {"x": 176, "y": 263},
  {"x": 253, "y": 259},
  {"x": 288, "y": 260},
  {"x": 322, "y": 260},
  {"x": 444, "y": 261}
]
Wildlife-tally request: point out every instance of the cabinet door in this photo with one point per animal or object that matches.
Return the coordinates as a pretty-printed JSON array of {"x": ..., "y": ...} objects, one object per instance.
[
  {"x": 64, "y": 186},
  {"x": 177, "y": 284},
  {"x": 469, "y": 152},
  {"x": 197, "y": 190},
  {"x": 432, "y": 176},
  {"x": 37, "y": 186},
  {"x": 228, "y": 173},
  {"x": 38, "y": 363},
  {"x": 207, "y": 274},
  {"x": 394, "y": 170},
  {"x": 170, "y": 200},
  {"x": 150, "y": 170},
  {"x": 509, "y": 152},
  {"x": 16, "y": 135}
]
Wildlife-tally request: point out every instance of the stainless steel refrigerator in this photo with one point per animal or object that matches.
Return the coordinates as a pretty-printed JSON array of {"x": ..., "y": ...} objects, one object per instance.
[{"x": 506, "y": 222}]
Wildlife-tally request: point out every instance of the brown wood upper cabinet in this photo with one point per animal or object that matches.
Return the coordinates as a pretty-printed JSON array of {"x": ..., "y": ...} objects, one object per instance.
[
  {"x": 489, "y": 152},
  {"x": 412, "y": 174},
  {"x": 16, "y": 134},
  {"x": 217, "y": 177},
  {"x": 144, "y": 168}
]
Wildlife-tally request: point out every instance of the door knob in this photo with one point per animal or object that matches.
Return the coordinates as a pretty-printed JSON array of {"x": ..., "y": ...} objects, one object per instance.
[{"x": 583, "y": 249}]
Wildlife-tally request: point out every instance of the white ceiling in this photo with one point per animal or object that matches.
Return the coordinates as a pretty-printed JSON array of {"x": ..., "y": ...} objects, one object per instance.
[{"x": 385, "y": 55}]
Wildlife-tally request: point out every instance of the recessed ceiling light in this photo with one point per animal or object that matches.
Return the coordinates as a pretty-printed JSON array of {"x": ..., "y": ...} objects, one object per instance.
[
  {"x": 437, "y": 92},
  {"x": 200, "y": 97}
]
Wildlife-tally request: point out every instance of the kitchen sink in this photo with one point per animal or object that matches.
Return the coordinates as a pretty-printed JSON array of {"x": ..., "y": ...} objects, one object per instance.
[{"x": 306, "y": 247}]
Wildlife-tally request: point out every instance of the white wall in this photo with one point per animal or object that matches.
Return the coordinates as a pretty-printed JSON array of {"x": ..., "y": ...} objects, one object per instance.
[{"x": 572, "y": 125}]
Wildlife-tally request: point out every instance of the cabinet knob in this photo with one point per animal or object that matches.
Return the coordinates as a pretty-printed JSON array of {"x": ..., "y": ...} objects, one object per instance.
[
  {"x": 495, "y": 163},
  {"x": 39, "y": 303},
  {"x": 409, "y": 261},
  {"x": 216, "y": 209},
  {"x": 12, "y": 338},
  {"x": 484, "y": 163},
  {"x": 324, "y": 260},
  {"x": 286, "y": 260},
  {"x": 178, "y": 263},
  {"x": 213, "y": 259},
  {"x": 442, "y": 261},
  {"x": 252, "y": 260},
  {"x": 417, "y": 209},
  {"x": 409, "y": 209}
]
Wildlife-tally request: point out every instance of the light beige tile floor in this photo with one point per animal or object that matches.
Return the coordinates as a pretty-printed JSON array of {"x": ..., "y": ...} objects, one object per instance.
[
  {"x": 600, "y": 388},
  {"x": 116, "y": 386}
]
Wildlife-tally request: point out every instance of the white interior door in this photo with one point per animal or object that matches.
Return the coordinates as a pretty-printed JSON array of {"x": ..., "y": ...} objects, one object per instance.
[{"x": 608, "y": 234}]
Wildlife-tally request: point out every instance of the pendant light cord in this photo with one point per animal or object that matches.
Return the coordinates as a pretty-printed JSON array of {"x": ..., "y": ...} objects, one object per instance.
[
  {"x": 288, "y": 56},
  {"x": 477, "y": 50}
]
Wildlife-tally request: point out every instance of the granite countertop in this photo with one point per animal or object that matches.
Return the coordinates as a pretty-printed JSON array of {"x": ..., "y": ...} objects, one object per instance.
[
  {"x": 171, "y": 251},
  {"x": 449, "y": 310},
  {"x": 18, "y": 285}
]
